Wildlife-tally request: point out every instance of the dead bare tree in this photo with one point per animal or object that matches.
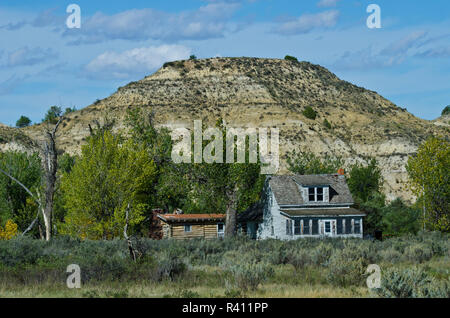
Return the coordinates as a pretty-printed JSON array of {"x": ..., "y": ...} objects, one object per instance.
[
  {"x": 50, "y": 160},
  {"x": 134, "y": 253}
]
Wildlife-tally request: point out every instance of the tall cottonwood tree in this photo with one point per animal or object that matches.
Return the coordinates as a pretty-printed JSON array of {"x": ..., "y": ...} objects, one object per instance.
[
  {"x": 429, "y": 179},
  {"x": 111, "y": 179},
  {"x": 222, "y": 186}
]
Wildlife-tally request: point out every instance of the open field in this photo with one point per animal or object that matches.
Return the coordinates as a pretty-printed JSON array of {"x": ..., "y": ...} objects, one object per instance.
[{"x": 412, "y": 266}]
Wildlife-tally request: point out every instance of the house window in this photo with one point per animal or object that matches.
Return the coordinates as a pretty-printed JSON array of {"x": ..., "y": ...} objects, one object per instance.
[
  {"x": 306, "y": 228},
  {"x": 288, "y": 227},
  {"x": 312, "y": 194},
  {"x": 315, "y": 194},
  {"x": 221, "y": 229},
  {"x": 319, "y": 194},
  {"x": 357, "y": 227},
  {"x": 297, "y": 227},
  {"x": 327, "y": 227},
  {"x": 188, "y": 228}
]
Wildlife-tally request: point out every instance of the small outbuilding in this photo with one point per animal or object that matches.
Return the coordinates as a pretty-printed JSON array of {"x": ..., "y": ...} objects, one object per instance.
[{"x": 188, "y": 226}]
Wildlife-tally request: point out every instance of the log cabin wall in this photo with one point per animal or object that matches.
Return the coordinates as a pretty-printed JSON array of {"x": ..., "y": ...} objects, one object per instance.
[{"x": 177, "y": 231}]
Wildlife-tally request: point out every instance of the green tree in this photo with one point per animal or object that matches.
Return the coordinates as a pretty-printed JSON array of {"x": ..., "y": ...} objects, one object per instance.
[
  {"x": 290, "y": 58},
  {"x": 364, "y": 183},
  {"x": 229, "y": 187},
  {"x": 374, "y": 209},
  {"x": 398, "y": 218},
  {"x": 192, "y": 57},
  {"x": 172, "y": 187},
  {"x": 429, "y": 179},
  {"x": 446, "y": 111},
  {"x": 13, "y": 198},
  {"x": 23, "y": 122},
  {"x": 111, "y": 176},
  {"x": 52, "y": 115},
  {"x": 308, "y": 163},
  {"x": 69, "y": 110},
  {"x": 310, "y": 113},
  {"x": 365, "y": 180}
]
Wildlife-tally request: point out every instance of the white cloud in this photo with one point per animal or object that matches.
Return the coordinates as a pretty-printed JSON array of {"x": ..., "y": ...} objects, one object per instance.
[
  {"x": 393, "y": 54},
  {"x": 439, "y": 52},
  {"x": 327, "y": 3},
  {"x": 138, "y": 61},
  {"x": 209, "y": 21},
  {"x": 308, "y": 22},
  {"x": 10, "y": 84},
  {"x": 405, "y": 44},
  {"x": 29, "y": 56},
  {"x": 46, "y": 18},
  {"x": 365, "y": 58}
]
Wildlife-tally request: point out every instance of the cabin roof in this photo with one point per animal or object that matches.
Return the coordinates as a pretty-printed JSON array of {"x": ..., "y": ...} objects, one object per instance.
[
  {"x": 326, "y": 212},
  {"x": 287, "y": 191},
  {"x": 191, "y": 218}
]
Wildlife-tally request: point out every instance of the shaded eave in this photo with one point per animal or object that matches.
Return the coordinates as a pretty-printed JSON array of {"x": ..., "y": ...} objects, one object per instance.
[
  {"x": 191, "y": 218},
  {"x": 322, "y": 212}
]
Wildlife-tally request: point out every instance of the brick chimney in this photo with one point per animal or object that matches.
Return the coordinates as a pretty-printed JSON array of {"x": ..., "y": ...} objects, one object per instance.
[
  {"x": 178, "y": 211},
  {"x": 341, "y": 172}
]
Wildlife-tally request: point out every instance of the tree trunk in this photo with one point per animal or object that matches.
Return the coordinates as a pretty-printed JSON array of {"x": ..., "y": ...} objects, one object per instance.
[
  {"x": 41, "y": 233},
  {"x": 231, "y": 217},
  {"x": 50, "y": 169}
]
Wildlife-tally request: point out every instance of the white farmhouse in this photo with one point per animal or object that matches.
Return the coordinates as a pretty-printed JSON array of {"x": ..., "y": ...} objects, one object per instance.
[{"x": 299, "y": 206}]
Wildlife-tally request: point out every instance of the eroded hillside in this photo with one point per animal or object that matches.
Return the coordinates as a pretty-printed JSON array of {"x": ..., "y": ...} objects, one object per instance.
[{"x": 251, "y": 92}]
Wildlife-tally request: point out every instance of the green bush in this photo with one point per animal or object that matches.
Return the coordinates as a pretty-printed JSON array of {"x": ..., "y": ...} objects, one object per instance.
[
  {"x": 326, "y": 123},
  {"x": 418, "y": 253},
  {"x": 299, "y": 259},
  {"x": 411, "y": 283},
  {"x": 321, "y": 254},
  {"x": 242, "y": 262},
  {"x": 290, "y": 58},
  {"x": 446, "y": 111},
  {"x": 248, "y": 276},
  {"x": 170, "y": 266},
  {"x": 347, "y": 267},
  {"x": 310, "y": 113},
  {"x": 23, "y": 122},
  {"x": 390, "y": 255}
]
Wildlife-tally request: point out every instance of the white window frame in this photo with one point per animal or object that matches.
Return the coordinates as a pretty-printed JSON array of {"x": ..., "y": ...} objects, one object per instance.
[
  {"x": 187, "y": 226},
  {"x": 221, "y": 233},
  {"x": 358, "y": 223},
  {"x": 315, "y": 194}
]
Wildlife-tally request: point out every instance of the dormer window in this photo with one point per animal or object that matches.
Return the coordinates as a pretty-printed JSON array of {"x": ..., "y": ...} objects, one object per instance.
[{"x": 315, "y": 194}]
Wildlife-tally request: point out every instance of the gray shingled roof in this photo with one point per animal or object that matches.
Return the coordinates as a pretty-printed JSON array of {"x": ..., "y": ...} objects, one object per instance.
[
  {"x": 287, "y": 192},
  {"x": 312, "y": 212}
]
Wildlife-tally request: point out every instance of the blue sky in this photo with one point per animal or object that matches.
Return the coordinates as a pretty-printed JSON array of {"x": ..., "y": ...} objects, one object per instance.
[{"x": 43, "y": 63}]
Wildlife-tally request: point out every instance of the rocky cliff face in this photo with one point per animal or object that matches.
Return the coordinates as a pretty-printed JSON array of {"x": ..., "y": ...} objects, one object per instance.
[{"x": 251, "y": 92}]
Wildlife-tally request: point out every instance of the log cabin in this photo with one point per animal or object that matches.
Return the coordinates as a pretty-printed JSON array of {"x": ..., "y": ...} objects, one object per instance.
[{"x": 189, "y": 226}]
